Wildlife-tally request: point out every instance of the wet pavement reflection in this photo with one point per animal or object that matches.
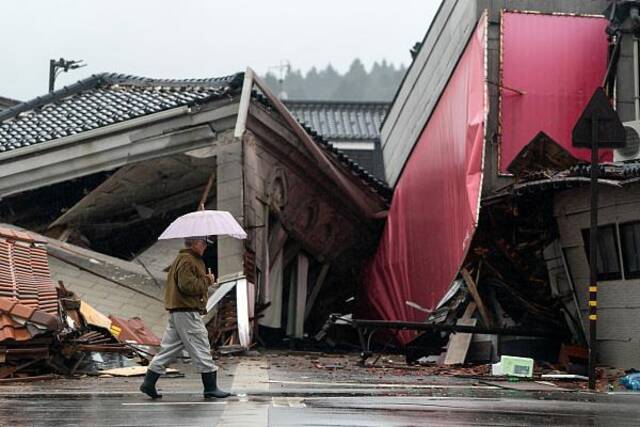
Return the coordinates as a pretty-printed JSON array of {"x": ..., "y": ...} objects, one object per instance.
[{"x": 189, "y": 409}]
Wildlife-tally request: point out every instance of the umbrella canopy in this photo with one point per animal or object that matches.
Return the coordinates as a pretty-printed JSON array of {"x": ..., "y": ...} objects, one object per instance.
[{"x": 204, "y": 223}]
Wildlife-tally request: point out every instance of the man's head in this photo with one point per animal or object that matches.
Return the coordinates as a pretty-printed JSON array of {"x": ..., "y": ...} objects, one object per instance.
[{"x": 197, "y": 244}]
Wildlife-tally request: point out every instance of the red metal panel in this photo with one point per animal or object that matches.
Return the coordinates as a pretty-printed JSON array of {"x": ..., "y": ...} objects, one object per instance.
[
  {"x": 557, "y": 62},
  {"x": 435, "y": 205},
  {"x": 133, "y": 330}
]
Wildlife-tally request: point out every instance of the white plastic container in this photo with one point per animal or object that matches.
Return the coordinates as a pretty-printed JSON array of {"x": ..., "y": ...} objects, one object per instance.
[{"x": 515, "y": 366}]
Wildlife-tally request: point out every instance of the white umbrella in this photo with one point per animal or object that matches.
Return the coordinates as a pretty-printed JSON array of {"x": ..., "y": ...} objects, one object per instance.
[{"x": 204, "y": 223}]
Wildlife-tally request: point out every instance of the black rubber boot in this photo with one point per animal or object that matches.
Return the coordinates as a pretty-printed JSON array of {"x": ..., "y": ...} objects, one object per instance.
[
  {"x": 210, "y": 383},
  {"x": 148, "y": 387}
]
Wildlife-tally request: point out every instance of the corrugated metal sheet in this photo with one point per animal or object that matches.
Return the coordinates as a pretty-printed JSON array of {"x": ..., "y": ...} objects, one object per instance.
[
  {"x": 132, "y": 331},
  {"x": 434, "y": 210}
]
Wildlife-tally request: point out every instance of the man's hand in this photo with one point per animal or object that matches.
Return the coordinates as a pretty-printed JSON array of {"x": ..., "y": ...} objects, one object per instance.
[{"x": 212, "y": 279}]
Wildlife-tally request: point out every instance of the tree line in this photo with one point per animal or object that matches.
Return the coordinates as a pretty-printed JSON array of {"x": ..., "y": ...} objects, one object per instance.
[{"x": 357, "y": 84}]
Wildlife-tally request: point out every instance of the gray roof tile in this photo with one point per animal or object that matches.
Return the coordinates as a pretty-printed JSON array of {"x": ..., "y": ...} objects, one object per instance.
[
  {"x": 341, "y": 121},
  {"x": 102, "y": 100}
]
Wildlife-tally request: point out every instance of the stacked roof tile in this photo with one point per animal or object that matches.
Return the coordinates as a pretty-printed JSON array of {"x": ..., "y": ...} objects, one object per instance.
[
  {"x": 102, "y": 100},
  {"x": 28, "y": 297}
]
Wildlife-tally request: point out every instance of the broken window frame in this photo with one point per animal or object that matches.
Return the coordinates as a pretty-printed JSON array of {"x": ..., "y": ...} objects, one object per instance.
[
  {"x": 626, "y": 260},
  {"x": 613, "y": 273}
]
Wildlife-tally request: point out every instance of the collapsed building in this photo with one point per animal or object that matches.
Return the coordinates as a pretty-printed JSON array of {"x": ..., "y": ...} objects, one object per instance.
[
  {"x": 489, "y": 193},
  {"x": 101, "y": 167}
]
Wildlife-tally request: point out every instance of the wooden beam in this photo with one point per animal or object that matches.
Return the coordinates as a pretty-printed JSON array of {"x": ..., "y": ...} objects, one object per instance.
[
  {"x": 301, "y": 294},
  {"x": 459, "y": 342},
  {"x": 473, "y": 289},
  {"x": 205, "y": 193}
]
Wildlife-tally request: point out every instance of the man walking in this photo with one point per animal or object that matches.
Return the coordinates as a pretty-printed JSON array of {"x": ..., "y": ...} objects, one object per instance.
[{"x": 185, "y": 299}]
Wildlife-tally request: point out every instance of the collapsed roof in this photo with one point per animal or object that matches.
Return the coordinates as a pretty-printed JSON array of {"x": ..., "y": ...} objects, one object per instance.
[{"x": 109, "y": 104}]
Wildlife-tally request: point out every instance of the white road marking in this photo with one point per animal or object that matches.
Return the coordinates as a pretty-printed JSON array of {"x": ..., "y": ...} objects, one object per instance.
[
  {"x": 288, "y": 402},
  {"x": 367, "y": 385}
]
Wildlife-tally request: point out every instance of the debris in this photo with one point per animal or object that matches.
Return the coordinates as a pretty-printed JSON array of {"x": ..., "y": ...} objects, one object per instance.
[
  {"x": 525, "y": 385},
  {"x": 428, "y": 360},
  {"x": 459, "y": 342},
  {"x": 574, "y": 358},
  {"x": 27, "y": 379},
  {"x": 231, "y": 349},
  {"x": 631, "y": 381},
  {"x": 45, "y": 330},
  {"x": 93, "y": 317},
  {"x": 131, "y": 371},
  {"x": 333, "y": 366},
  {"x": 132, "y": 331},
  {"x": 496, "y": 369},
  {"x": 471, "y": 285},
  {"x": 564, "y": 377},
  {"x": 513, "y": 366}
]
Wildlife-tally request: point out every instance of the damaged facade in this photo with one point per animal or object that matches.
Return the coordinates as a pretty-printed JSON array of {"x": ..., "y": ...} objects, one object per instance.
[
  {"x": 101, "y": 167},
  {"x": 515, "y": 215}
]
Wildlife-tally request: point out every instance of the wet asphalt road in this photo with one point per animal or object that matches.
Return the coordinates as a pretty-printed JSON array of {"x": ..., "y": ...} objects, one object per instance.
[
  {"x": 280, "y": 390},
  {"x": 124, "y": 409}
]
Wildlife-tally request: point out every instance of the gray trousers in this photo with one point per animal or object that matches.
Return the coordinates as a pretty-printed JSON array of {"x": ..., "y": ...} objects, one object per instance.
[{"x": 185, "y": 331}]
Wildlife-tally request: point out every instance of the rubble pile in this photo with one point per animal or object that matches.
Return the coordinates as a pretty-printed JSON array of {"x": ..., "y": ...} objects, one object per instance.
[
  {"x": 505, "y": 286},
  {"x": 47, "y": 330}
]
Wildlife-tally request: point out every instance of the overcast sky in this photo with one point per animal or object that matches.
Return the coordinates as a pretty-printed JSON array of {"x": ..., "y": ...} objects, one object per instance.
[{"x": 200, "y": 38}]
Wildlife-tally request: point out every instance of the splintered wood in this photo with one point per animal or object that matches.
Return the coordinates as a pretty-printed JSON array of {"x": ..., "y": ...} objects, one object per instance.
[
  {"x": 459, "y": 342},
  {"x": 473, "y": 289}
]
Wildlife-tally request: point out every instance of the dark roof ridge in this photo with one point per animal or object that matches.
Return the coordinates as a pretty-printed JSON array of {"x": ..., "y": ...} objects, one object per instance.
[
  {"x": 331, "y": 102},
  {"x": 379, "y": 186},
  {"x": 233, "y": 80},
  {"x": 95, "y": 80},
  {"x": 84, "y": 84}
]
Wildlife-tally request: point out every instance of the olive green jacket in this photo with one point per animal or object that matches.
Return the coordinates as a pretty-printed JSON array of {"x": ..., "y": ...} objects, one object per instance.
[{"x": 187, "y": 283}]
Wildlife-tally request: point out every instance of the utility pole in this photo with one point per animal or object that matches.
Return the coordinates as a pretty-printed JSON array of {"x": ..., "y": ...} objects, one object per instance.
[
  {"x": 59, "y": 66},
  {"x": 598, "y": 127},
  {"x": 283, "y": 69}
]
